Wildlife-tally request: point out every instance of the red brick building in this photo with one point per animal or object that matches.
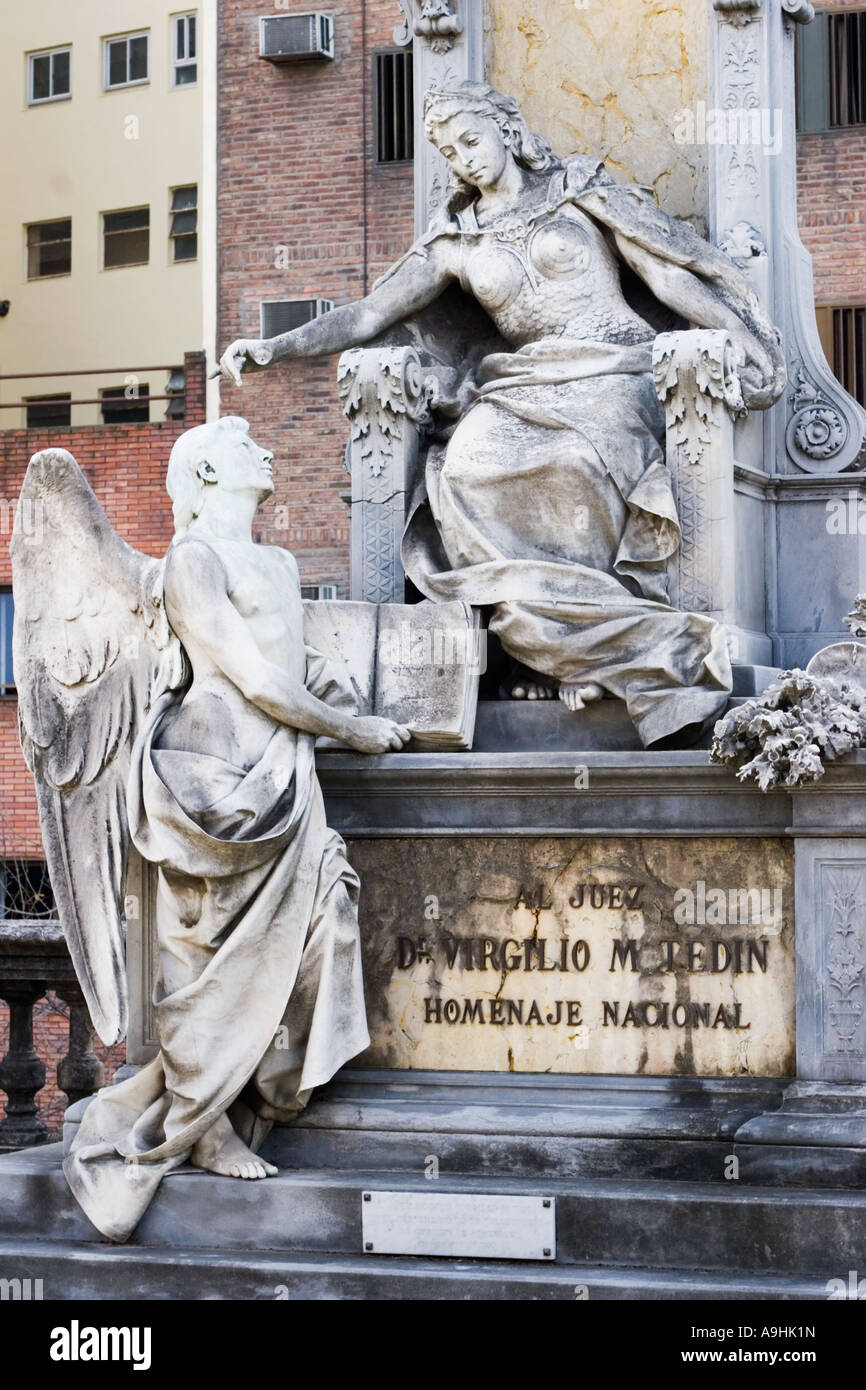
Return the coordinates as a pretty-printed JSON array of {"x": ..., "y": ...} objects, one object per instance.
[
  {"x": 307, "y": 211},
  {"x": 831, "y": 179}
]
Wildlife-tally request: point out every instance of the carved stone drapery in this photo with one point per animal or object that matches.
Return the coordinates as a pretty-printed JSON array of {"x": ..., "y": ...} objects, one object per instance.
[
  {"x": 385, "y": 399},
  {"x": 696, "y": 380}
]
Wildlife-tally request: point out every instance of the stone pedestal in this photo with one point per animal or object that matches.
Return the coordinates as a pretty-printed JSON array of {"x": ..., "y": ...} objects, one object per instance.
[{"x": 819, "y": 1134}]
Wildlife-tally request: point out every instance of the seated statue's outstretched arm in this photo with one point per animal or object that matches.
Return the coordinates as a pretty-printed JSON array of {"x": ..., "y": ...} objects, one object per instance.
[{"x": 413, "y": 283}]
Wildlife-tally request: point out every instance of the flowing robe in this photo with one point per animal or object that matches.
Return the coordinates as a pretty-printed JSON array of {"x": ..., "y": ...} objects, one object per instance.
[
  {"x": 260, "y": 991},
  {"x": 551, "y": 502}
]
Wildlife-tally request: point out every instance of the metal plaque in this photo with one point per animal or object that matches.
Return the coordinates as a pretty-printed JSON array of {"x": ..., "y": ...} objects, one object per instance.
[{"x": 459, "y": 1224}]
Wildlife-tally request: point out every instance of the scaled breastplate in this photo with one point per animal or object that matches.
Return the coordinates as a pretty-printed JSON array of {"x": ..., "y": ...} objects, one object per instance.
[{"x": 541, "y": 272}]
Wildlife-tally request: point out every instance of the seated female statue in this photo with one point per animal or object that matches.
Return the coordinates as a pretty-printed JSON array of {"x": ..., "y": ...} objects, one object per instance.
[{"x": 551, "y": 504}]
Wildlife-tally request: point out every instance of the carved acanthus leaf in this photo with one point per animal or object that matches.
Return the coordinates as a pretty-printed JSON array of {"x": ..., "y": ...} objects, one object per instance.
[
  {"x": 436, "y": 21},
  {"x": 738, "y": 12},
  {"x": 377, "y": 390},
  {"x": 695, "y": 376}
]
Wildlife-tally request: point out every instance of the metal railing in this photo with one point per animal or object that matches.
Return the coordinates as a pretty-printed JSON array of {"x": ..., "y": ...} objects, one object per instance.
[{"x": 115, "y": 403}]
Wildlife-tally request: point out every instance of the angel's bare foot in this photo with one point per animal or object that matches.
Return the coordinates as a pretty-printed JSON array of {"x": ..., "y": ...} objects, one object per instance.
[
  {"x": 221, "y": 1151},
  {"x": 576, "y": 696}
]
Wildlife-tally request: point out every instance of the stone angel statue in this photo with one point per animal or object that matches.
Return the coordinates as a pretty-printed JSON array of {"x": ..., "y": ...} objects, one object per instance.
[
  {"x": 549, "y": 501},
  {"x": 174, "y": 704}
]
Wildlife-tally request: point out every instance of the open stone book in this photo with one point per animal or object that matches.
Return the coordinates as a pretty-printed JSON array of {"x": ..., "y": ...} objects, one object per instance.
[{"x": 417, "y": 663}]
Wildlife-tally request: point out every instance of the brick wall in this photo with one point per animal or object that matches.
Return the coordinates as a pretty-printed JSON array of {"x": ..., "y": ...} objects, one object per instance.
[
  {"x": 304, "y": 212},
  {"x": 125, "y": 465},
  {"x": 831, "y": 192}
]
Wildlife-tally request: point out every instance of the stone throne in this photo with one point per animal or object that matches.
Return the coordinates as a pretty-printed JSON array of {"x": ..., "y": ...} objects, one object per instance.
[{"x": 752, "y": 491}]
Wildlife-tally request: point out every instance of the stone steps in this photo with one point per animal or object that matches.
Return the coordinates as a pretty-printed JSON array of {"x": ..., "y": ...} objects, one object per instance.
[
  {"x": 636, "y": 1167},
  {"x": 575, "y": 1126},
  {"x": 716, "y": 1228},
  {"x": 78, "y": 1272}
]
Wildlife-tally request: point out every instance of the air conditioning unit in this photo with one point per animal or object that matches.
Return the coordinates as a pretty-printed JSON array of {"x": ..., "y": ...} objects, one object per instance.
[
  {"x": 282, "y": 315},
  {"x": 319, "y": 591},
  {"x": 294, "y": 38}
]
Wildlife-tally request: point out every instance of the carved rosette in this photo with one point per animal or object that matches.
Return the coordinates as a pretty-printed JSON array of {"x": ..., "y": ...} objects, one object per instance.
[
  {"x": 743, "y": 243},
  {"x": 817, "y": 432}
]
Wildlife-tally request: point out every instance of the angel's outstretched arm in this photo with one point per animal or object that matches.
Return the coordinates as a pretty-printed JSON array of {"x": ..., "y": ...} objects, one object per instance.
[{"x": 205, "y": 619}]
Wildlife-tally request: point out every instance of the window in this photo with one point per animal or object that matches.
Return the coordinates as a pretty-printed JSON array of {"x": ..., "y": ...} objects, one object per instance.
[
  {"x": 184, "y": 66},
  {"x": 282, "y": 315},
  {"x": 49, "y": 249},
  {"x": 846, "y": 34},
  {"x": 843, "y": 336},
  {"x": 184, "y": 223},
  {"x": 7, "y": 678},
  {"x": 125, "y": 238},
  {"x": 25, "y": 890},
  {"x": 395, "y": 127},
  {"x": 319, "y": 591},
  {"x": 49, "y": 76},
  {"x": 43, "y": 411},
  {"x": 118, "y": 408},
  {"x": 127, "y": 61},
  {"x": 831, "y": 71}
]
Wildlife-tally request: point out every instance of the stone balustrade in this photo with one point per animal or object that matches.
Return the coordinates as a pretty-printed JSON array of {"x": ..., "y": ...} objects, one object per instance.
[{"x": 33, "y": 960}]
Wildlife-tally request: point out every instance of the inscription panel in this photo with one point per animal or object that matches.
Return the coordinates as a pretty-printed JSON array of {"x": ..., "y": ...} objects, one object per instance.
[{"x": 639, "y": 956}]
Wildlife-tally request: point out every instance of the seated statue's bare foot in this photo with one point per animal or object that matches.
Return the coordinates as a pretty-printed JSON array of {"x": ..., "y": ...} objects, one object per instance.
[
  {"x": 576, "y": 696},
  {"x": 524, "y": 684},
  {"x": 221, "y": 1151}
]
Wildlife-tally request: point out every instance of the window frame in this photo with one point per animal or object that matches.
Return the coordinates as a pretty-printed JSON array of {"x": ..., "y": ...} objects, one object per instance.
[
  {"x": 183, "y": 16},
  {"x": 407, "y": 57},
  {"x": 115, "y": 394},
  {"x": 61, "y": 397},
  {"x": 48, "y": 53},
  {"x": 108, "y": 86},
  {"x": 111, "y": 212},
  {"x": 8, "y": 689},
  {"x": 174, "y": 237},
  {"x": 813, "y": 63},
  {"x": 54, "y": 274},
  {"x": 832, "y": 336}
]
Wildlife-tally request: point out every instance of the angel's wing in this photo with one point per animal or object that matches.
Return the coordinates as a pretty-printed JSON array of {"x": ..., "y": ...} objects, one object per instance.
[{"x": 91, "y": 649}]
